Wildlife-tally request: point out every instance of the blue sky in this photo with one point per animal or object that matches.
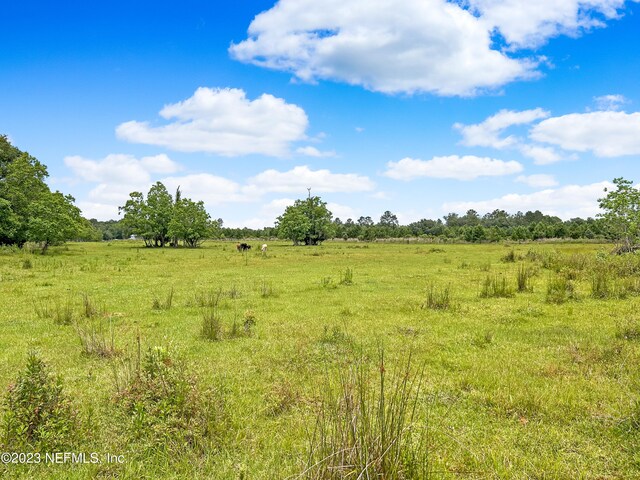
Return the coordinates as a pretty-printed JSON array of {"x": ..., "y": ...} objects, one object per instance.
[{"x": 420, "y": 107}]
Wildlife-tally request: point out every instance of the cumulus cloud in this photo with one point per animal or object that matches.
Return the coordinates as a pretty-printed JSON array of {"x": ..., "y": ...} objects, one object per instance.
[
  {"x": 540, "y": 155},
  {"x": 343, "y": 212},
  {"x": 120, "y": 168},
  {"x": 468, "y": 167},
  {"x": 610, "y": 102},
  {"x": 384, "y": 45},
  {"x": 489, "y": 132},
  {"x": 310, "y": 151},
  {"x": 300, "y": 178},
  {"x": 116, "y": 176},
  {"x": 410, "y": 46},
  {"x": 224, "y": 122},
  {"x": 606, "y": 133},
  {"x": 211, "y": 189},
  {"x": 538, "y": 181},
  {"x": 99, "y": 211},
  {"x": 524, "y": 23},
  {"x": 566, "y": 202}
]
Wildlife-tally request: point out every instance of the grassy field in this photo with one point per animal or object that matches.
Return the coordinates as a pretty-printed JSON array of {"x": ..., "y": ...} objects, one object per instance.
[{"x": 527, "y": 354}]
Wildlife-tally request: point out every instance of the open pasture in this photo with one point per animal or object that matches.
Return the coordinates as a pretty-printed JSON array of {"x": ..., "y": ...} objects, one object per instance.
[{"x": 528, "y": 353}]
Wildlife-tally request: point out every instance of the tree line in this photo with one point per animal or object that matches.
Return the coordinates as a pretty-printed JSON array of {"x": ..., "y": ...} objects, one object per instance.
[
  {"x": 31, "y": 212},
  {"x": 308, "y": 222}
]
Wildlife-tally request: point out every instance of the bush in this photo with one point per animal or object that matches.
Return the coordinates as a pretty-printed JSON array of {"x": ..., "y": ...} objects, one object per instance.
[
  {"x": 37, "y": 414},
  {"x": 560, "y": 289},
  {"x": 162, "y": 404}
]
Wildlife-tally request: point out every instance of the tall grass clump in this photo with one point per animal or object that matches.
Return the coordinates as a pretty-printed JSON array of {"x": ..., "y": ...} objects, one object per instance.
[
  {"x": 509, "y": 257},
  {"x": 211, "y": 325},
  {"x": 438, "y": 298},
  {"x": 63, "y": 312},
  {"x": 96, "y": 339},
  {"x": 266, "y": 289},
  {"x": 37, "y": 413},
  {"x": 496, "y": 286},
  {"x": 88, "y": 308},
  {"x": 560, "y": 289},
  {"x": 368, "y": 426},
  {"x": 346, "y": 277},
  {"x": 601, "y": 284},
  {"x": 165, "y": 304},
  {"x": 523, "y": 278},
  {"x": 208, "y": 298}
]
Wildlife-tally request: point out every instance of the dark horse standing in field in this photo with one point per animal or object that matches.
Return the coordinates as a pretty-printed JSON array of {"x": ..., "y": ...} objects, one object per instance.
[{"x": 243, "y": 247}]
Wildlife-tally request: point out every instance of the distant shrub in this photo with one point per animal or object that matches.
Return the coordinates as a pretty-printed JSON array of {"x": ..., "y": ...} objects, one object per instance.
[
  {"x": 509, "y": 257},
  {"x": 27, "y": 264},
  {"x": 496, "y": 286},
  {"x": 249, "y": 322},
  {"x": 560, "y": 289},
  {"x": 37, "y": 413}
]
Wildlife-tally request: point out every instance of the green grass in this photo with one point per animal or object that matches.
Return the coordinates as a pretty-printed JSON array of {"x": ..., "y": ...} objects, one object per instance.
[{"x": 536, "y": 379}]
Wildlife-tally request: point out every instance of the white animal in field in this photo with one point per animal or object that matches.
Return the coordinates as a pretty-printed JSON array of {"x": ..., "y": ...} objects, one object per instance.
[{"x": 264, "y": 248}]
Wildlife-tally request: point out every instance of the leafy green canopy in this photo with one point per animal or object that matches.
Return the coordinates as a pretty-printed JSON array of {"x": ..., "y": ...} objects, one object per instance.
[
  {"x": 622, "y": 213},
  {"x": 160, "y": 220},
  {"x": 307, "y": 221},
  {"x": 29, "y": 211}
]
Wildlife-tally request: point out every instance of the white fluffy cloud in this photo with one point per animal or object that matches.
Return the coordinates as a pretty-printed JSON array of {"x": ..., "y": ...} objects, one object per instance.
[
  {"x": 606, "y": 134},
  {"x": 310, "y": 151},
  {"x": 224, "y": 122},
  {"x": 526, "y": 23},
  {"x": 489, "y": 132},
  {"x": 116, "y": 176},
  {"x": 384, "y": 45},
  {"x": 300, "y": 178},
  {"x": 120, "y": 168},
  {"x": 467, "y": 167},
  {"x": 437, "y": 46},
  {"x": 211, "y": 189},
  {"x": 610, "y": 102},
  {"x": 540, "y": 155},
  {"x": 566, "y": 202},
  {"x": 539, "y": 180}
]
